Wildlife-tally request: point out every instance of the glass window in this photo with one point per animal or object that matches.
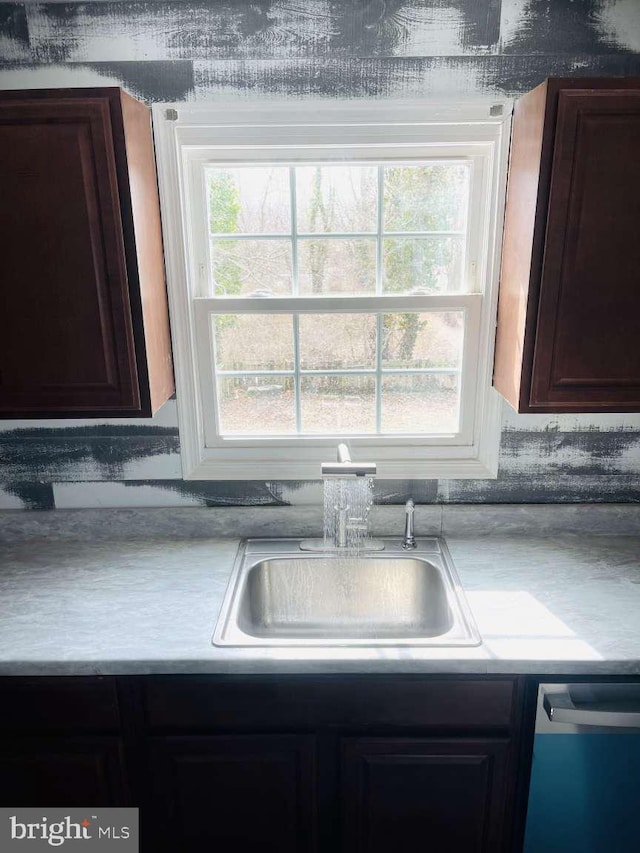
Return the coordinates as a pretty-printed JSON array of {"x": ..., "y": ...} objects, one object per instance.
[{"x": 332, "y": 270}]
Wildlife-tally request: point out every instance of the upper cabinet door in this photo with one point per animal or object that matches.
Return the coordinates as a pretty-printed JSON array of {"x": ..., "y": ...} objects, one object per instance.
[
  {"x": 569, "y": 315},
  {"x": 73, "y": 332},
  {"x": 587, "y": 346}
]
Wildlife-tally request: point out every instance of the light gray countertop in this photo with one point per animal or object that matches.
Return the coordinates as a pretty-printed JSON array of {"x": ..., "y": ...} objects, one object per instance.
[{"x": 558, "y": 605}]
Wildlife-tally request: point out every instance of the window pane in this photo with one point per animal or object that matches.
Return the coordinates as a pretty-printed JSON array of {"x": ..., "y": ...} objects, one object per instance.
[
  {"x": 422, "y": 340},
  {"x": 420, "y": 403},
  {"x": 336, "y": 199},
  {"x": 430, "y": 264},
  {"x": 250, "y": 342},
  {"x": 245, "y": 267},
  {"x": 256, "y": 405},
  {"x": 426, "y": 198},
  {"x": 336, "y": 266},
  {"x": 338, "y": 404},
  {"x": 337, "y": 341},
  {"x": 249, "y": 200}
]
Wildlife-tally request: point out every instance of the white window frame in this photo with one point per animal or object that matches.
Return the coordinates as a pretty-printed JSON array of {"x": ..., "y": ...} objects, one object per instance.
[{"x": 188, "y": 136}]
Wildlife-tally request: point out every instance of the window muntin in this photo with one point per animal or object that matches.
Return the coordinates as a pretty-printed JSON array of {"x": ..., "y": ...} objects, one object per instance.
[
  {"x": 343, "y": 373},
  {"x": 338, "y": 228},
  {"x": 255, "y": 349}
]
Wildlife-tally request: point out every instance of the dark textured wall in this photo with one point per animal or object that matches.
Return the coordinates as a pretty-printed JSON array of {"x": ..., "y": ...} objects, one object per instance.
[
  {"x": 166, "y": 51},
  {"x": 376, "y": 48}
]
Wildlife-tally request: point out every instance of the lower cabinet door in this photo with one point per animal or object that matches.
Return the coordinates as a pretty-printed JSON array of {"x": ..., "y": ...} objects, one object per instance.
[
  {"x": 62, "y": 772},
  {"x": 246, "y": 794},
  {"x": 402, "y": 795}
]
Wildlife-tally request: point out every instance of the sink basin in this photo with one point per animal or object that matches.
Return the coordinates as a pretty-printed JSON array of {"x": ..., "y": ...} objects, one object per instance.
[{"x": 279, "y": 596}]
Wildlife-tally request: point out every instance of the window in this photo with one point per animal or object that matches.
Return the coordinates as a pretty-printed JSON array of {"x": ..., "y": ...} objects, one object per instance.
[{"x": 331, "y": 273}]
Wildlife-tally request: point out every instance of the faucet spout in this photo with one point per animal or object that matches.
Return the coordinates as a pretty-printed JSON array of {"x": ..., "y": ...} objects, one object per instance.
[
  {"x": 344, "y": 467},
  {"x": 347, "y": 500}
]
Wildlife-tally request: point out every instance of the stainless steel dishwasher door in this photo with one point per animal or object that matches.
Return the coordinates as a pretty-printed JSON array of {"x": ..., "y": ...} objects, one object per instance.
[{"x": 585, "y": 780}]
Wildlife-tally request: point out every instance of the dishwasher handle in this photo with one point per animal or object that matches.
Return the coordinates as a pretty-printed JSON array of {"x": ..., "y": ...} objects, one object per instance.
[{"x": 560, "y": 708}]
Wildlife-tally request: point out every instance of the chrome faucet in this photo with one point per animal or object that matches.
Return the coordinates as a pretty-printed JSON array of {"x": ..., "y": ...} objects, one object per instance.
[
  {"x": 344, "y": 467},
  {"x": 342, "y": 523},
  {"x": 409, "y": 540},
  {"x": 346, "y": 523}
]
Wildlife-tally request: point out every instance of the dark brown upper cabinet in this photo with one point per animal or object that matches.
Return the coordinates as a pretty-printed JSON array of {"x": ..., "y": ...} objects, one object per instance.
[
  {"x": 84, "y": 327},
  {"x": 568, "y": 337}
]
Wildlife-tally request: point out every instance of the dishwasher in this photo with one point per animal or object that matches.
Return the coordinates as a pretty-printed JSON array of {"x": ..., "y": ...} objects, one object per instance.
[{"x": 584, "y": 795}]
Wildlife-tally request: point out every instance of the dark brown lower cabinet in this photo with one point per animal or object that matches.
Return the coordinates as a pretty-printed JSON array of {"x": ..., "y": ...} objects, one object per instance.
[
  {"x": 64, "y": 772},
  {"x": 246, "y": 794},
  {"x": 276, "y": 764},
  {"x": 259, "y": 793},
  {"x": 408, "y": 794}
]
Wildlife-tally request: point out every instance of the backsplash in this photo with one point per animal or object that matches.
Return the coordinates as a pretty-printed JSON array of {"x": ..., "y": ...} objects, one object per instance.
[
  {"x": 174, "y": 51},
  {"x": 543, "y": 459}
]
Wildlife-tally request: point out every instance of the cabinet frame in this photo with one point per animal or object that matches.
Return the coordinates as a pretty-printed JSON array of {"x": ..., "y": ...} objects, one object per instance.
[
  {"x": 541, "y": 174},
  {"x": 120, "y": 277}
]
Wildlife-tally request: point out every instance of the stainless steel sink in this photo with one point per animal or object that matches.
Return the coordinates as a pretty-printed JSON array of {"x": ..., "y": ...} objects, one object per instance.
[{"x": 280, "y": 596}]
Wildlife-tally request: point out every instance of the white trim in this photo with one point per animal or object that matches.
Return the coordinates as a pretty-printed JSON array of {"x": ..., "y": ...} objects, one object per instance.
[
  {"x": 340, "y": 112},
  {"x": 391, "y": 303},
  {"x": 170, "y": 186},
  {"x": 219, "y": 466},
  {"x": 397, "y": 131}
]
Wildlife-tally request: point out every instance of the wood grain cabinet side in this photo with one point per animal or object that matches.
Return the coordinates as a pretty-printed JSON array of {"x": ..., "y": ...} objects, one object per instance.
[
  {"x": 569, "y": 304},
  {"x": 84, "y": 328}
]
